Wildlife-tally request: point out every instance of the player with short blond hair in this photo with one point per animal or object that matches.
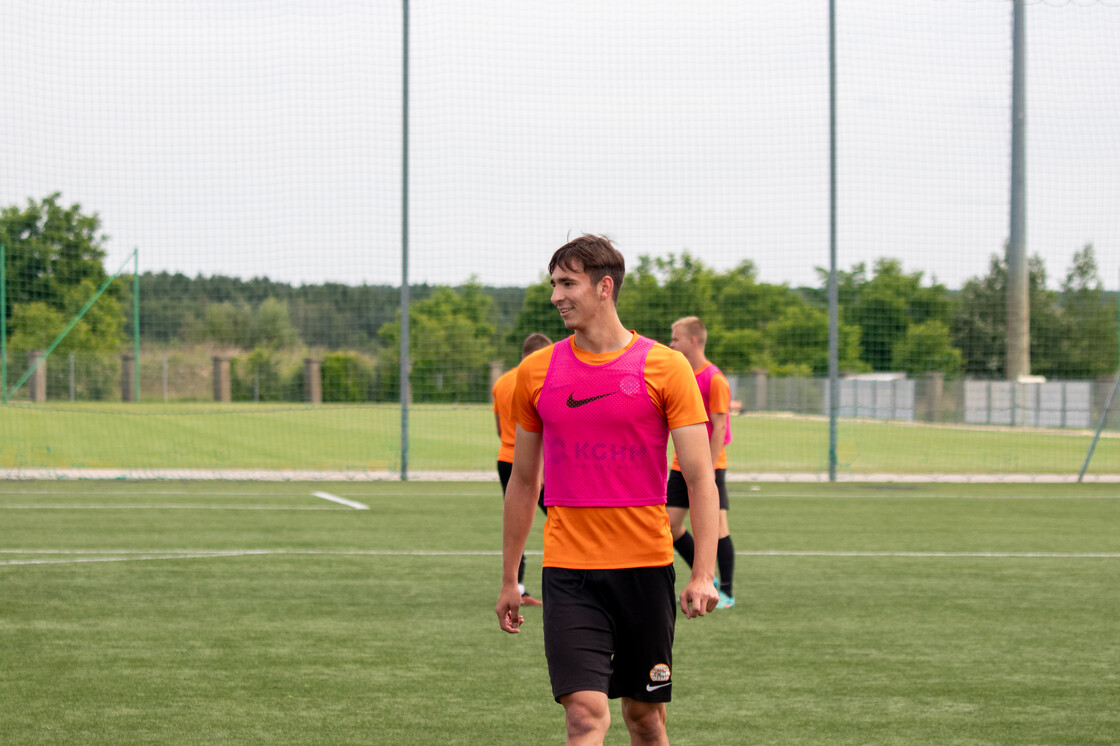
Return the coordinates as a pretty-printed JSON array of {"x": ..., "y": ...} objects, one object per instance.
[{"x": 690, "y": 337}]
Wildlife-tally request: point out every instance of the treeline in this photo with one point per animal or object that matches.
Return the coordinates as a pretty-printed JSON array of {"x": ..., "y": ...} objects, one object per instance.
[
  {"x": 248, "y": 313},
  {"x": 891, "y": 319}
]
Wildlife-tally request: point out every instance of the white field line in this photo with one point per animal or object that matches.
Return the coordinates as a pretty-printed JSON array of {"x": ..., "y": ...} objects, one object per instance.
[
  {"x": 118, "y": 557},
  {"x": 762, "y": 495},
  {"x": 224, "y": 552},
  {"x": 255, "y": 475},
  {"x": 938, "y": 555},
  {"x": 341, "y": 500},
  {"x": 79, "y": 506},
  {"x": 81, "y": 491},
  {"x": 126, "y": 555},
  {"x": 754, "y": 494},
  {"x": 311, "y": 475},
  {"x": 877, "y": 478}
]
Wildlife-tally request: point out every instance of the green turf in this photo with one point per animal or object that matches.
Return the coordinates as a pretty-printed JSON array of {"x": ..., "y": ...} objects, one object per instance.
[
  {"x": 457, "y": 438},
  {"x": 930, "y": 622}
]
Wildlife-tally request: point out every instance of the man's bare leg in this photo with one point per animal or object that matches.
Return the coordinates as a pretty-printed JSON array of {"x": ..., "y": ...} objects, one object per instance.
[
  {"x": 587, "y": 716},
  {"x": 646, "y": 722}
]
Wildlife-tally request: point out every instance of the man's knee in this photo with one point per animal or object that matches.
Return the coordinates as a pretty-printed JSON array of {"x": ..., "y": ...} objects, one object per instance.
[
  {"x": 644, "y": 720},
  {"x": 586, "y": 713}
]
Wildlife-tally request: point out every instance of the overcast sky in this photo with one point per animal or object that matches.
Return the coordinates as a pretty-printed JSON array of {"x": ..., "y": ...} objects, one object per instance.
[{"x": 263, "y": 137}]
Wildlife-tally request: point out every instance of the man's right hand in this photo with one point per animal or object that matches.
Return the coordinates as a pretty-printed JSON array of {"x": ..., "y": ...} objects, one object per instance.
[
  {"x": 508, "y": 610},
  {"x": 698, "y": 598}
]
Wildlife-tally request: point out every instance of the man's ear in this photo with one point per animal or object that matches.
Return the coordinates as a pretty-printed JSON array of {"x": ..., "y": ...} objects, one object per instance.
[{"x": 606, "y": 287}]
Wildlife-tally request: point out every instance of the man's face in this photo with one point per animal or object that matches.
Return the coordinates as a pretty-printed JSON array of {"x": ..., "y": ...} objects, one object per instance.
[
  {"x": 574, "y": 296},
  {"x": 681, "y": 342}
]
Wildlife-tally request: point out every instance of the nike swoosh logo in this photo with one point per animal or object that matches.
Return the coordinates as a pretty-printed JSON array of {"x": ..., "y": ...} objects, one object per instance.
[
  {"x": 651, "y": 687},
  {"x": 573, "y": 402}
]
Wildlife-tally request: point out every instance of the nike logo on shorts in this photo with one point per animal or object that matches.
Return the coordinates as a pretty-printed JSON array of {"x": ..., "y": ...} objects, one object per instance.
[
  {"x": 573, "y": 402},
  {"x": 653, "y": 687}
]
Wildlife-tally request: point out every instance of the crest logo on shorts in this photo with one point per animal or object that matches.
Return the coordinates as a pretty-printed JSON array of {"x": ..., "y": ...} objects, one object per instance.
[{"x": 660, "y": 672}]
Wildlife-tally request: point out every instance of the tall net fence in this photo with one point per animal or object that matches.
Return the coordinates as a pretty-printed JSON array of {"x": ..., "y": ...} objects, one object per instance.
[{"x": 247, "y": 159}]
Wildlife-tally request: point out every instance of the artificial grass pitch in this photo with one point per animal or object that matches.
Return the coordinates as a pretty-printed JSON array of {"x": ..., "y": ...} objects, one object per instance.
[{"x": 242, "y": 613}]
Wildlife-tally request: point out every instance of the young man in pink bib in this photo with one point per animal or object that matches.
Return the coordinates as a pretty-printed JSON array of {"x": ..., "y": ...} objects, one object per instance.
[
  {"x": 690, "y": 338},
  {"x": 598, "y": 408}
]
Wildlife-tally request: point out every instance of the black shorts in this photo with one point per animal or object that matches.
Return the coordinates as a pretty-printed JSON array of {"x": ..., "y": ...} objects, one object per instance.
[
  {"x": 676, "y": 492},
  {"x": 505, "y": 470},
  {"x": 610, "y": 631}
]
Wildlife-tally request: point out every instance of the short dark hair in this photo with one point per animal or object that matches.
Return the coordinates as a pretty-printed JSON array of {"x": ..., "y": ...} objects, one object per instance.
[
  {"x": 535, "y": 341},
  {"x": 596, "y": 256}
]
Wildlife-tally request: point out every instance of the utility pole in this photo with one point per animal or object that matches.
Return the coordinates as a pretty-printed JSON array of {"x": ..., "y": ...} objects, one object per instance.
[
  {"x": 833, "y": 290},
  {"x": 1018, "y": 278},
  {"x": 405, "y": 368}
]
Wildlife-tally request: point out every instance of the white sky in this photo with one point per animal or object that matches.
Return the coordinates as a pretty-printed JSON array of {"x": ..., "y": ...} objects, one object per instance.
[{"x": 263, "y": 137}]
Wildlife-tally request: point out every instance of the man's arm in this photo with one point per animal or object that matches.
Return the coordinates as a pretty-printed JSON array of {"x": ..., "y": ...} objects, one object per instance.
[
  {"x": 517, "y": 520},
  {"x": 719, "y": 431},
  {"x": 498, "y": 423},
  {"x": 694, "y": 457},
  {"x": 719, "y": 398}
]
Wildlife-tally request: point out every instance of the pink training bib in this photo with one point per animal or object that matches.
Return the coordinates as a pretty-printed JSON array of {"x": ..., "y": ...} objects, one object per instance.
[
  {"x": 704, "y": 381},
  {"x": 604, "y": 440}
]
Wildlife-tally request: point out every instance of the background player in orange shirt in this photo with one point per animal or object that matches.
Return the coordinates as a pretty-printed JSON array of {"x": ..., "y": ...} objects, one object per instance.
[
  {"x": 608, "y": 578},
  {"x": 689, "y": 338},
  {"x": 502, "y": 393}
]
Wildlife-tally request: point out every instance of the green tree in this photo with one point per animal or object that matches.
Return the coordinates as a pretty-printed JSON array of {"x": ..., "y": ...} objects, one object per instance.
[
  {"x": 742, "y": 302},
  {"x": 661, "y": 290},
  {"x": 95, "y": 339},
  {"x": 798, "y": 343},
  {"x": 225, "y": 323},
  {"x": 885, "y": 305},
  {"x": 737, "y": 350},
  {"x": 258, "y": 377},
  {"x": 51, "y": 249},
  {"x": 1089, "y": 338},
  {"x": 925, "y": 348},
  {"x": 271, "y": 325},
  {"x": 979, "y": 326},
  {"x": 346, "y": 377},
  {"x": 236, "y": 324},
  {"x": 451, "y": 341},
  {"x": 54, "y": 258},
  {"x": 881, "y": 316}
]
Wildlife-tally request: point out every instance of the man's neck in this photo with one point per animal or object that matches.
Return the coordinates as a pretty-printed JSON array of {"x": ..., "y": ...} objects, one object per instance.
[
  {"x": 603, "y": 338},
  {"x": 696, "y": 360}
]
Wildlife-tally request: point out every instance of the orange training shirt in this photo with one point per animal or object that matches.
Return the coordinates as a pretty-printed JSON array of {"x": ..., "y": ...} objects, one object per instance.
[
  {"x": 719, "y": 403},
  {"x": 611, "y": 538},
  {"x": 503, "y": 400}
]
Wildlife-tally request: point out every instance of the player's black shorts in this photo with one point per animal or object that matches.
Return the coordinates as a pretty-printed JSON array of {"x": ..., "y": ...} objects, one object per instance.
[
  {"x": 610, "y": 631},
  {"x": 677, "y": 491},
  {"x": 505, "y": 470}
]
